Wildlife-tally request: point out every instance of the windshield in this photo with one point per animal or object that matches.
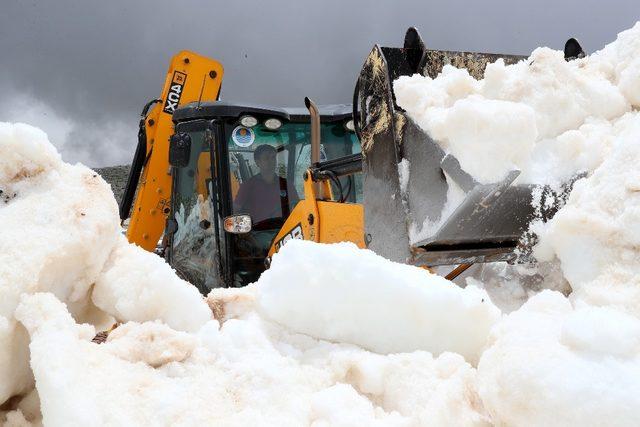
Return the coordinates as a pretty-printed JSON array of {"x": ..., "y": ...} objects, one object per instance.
[{"x": 267, "y": 167}]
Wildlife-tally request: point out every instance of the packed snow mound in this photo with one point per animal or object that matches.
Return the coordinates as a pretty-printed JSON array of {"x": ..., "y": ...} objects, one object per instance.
[
  {"x": 333, "y": 335},
  {"x": 153, "y": 343},
  {"x": 247, "y": 372},
  {"x": 377, "y": 304},
  {"x": 61, "y": 234},
  {"x": 57, "y": 229},
  {"x": 551, "y": 365},
  {"x": 555, "y": 360},
  {"x": 599, "y": 227},
  {"x": 545, "y": 116},
  {"x": 136, "y": 285}
]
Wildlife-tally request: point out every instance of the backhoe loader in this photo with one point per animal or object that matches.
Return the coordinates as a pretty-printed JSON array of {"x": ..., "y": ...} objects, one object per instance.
[
  {"x": 188, "y": 172},
  {"x": 330, "y": 174}
]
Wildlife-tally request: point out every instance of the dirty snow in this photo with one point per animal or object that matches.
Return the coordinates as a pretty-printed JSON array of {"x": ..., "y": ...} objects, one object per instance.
[
  {"x": 60, "y": 234},
  {"x": 403, "y": 173},
  {"x": 333, "y": 335}
]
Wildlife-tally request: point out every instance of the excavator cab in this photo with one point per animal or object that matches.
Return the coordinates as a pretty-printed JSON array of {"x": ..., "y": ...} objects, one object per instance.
[{"x": 231, "y": 160}]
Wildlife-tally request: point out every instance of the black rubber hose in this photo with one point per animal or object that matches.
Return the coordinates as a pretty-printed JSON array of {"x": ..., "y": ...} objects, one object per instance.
[
  {"x": 350, "y": 180},
  {"x": 332, "y": 176},
  {"x": 356, "y": 113}
]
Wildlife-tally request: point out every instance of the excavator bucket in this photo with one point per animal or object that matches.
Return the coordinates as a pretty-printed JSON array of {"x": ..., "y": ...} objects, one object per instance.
[{"x": 405, "y": 187}]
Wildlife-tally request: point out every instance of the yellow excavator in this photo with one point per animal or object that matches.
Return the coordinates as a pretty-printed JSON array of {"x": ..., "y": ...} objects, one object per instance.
[
  {"x": 195, "y": 154},
  {"x": 225, "y": 184}
]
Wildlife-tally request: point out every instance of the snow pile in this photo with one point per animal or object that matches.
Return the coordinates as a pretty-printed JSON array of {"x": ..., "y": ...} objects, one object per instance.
[
  {"x": 61, "y": 234},
  {"x": 556, "y": 360},
  {"x": 408, "y": 308},
  {"x": 552, "y": 365},
  {"x": 544, "y": 116},
  {"x": 596, "y": 235},
  {"x": 68, "y": 273},
  {"x": 336, "y": 336},
  {"x": 248, "y": 372}
]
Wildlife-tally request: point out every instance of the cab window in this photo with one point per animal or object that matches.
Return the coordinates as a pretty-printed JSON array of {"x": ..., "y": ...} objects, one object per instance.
[
  {"x": 266, "y": 178},
  {"x": 264, "y": 198}
]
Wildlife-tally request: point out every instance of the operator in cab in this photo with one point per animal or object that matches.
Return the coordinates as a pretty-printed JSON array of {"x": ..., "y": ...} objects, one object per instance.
[{"x": 265, "y": 195}]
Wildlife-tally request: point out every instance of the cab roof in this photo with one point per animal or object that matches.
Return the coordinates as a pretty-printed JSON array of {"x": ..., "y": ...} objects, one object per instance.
[{"x": 231, "y": 110}]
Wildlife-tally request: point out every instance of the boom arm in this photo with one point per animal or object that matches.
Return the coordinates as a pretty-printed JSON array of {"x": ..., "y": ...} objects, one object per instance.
[{"x": 190, "y": 78}]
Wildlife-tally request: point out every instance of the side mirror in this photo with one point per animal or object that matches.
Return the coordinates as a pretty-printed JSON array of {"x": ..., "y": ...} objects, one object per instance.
[
  {"x": 179, "y": 149},
  {"x": 238, "y": 224}
]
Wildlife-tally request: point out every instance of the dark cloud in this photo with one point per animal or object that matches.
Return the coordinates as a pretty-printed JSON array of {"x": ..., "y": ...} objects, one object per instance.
[{"x": 96, "y": 63}]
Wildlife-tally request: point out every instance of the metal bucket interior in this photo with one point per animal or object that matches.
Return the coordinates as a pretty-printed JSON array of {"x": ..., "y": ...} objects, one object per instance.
[{"x": 487, "y": 224}]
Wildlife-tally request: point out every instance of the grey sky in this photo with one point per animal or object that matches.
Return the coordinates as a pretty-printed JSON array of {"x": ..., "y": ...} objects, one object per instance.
[{"x": 82, "y": 69}]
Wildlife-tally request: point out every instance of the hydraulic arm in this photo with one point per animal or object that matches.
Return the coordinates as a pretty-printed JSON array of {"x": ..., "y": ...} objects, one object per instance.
[{"x": 190, "y": 78}]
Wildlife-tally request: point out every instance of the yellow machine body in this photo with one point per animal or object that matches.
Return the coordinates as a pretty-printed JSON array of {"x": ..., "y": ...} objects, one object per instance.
[
  {"x": 190, "y": 78},
  {"x": 323, "y": 221}
]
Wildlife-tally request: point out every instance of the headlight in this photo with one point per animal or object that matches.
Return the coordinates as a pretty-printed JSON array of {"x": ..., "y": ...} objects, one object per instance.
[
  {"x": 349, "y": 126},
  {"x": 248, "y": 121},
  {"x": 237, "y": 224},
  {"x": 273, "y": 124}
]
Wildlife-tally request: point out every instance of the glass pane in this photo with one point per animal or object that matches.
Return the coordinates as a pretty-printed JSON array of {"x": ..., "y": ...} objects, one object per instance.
[
  {"x": 292, "y": 144},
  {"x": 261, "y": 182},
  {"x": 338, "y": 142},
  {"x": 194, "y": 251},
  {"x": 267, "y": 168}
]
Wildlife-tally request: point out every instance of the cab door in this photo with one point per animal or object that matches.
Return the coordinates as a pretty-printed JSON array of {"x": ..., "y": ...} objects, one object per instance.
[{"x": 196, "y": 247}]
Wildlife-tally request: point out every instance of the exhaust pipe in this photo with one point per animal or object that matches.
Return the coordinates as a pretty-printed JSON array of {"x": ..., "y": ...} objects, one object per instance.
[
  {"x": 315, "y": 129},
  {"x": 315, "y": 137}
]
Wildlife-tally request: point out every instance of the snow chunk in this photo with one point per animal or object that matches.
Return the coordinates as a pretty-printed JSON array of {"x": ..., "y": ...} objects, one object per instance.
[
  {"x": 226, "y": 304},
  {"x": 25, "y": 152},
  {"x": 596, "y": 232},
  {"x": 59, "y": 223},
  {"x": 139, "y": 286},
  {"x": 152, "y": 343},
  {"x": 363, "y": 299},
  {"x": 549, "y": 365},
  {"x": 481, "y": 132}
]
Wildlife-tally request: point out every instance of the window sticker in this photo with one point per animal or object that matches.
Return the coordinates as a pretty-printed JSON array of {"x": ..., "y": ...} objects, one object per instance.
[{"x": 243, "y": 136}]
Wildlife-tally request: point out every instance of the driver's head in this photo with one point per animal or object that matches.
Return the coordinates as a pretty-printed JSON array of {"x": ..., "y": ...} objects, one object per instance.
[{"x": 265, "y": 158}]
